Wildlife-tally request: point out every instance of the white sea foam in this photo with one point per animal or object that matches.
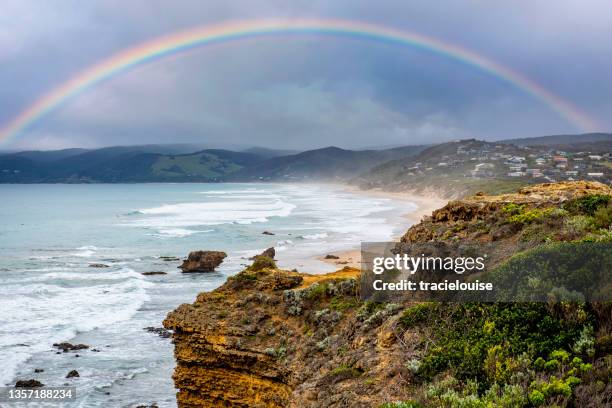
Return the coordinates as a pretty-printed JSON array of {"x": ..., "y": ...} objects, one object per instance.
[
  {"x": 212, "y": 213},
  {"x": 315, "y": 236},
  {"x": 177, "y": 232},
  {"x": 88, "y": 248},
  {"x": 39, "y": 314},
  {"x": 233, "y": 192}
]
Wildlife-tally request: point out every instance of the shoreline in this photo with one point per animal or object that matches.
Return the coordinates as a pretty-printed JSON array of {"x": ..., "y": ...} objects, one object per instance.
[{"x": 425, "y": 205}]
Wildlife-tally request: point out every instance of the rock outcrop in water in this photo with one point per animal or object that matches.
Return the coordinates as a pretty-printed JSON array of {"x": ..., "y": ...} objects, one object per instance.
[
  {"x": 66, "y": 347},
  {"x": 274, "y": 338},
  {"x": 203, "y": 261},
  {"x": 73, "y": 374},
  {"x": 29, "y": 384},
  {"x": 268, "y": 253}
]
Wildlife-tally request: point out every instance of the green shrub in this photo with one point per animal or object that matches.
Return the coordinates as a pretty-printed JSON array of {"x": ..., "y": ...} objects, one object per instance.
[
  {"x": 561, "y": 355},
  {"x": 530, "y": 216},
  {"x": 506, "y": 396},
  {"x": 557, "y": 386},
  {"x": 555, "y": 271},
  {"x": 262, "y": 262},
  {"x": 602, "y": 217},
  {"x": 480, "y": 336},
  {"x": 539, "y": 363},
  {"x": 368, "y": 308},
  {"x": 341, "y": 303},
  {"x": 585, "y": 344},
  {"x": 513, "y": 208},
  {"x": 417, "y": 314},
  {"x": 280, "y": 352},
  {"x": 552, "y": 365},
  {"x": 587, "y": 204},
  {"x": 536, "y": 398},
  {"x": 401, "y": 404},
  {"x": 343, "y": 372},
  {"x": 578, "y": 224},
  {"x": 448, "y": 392},
  {"x": 316, "y": 291},
  {"x": 245, "y": 276}
]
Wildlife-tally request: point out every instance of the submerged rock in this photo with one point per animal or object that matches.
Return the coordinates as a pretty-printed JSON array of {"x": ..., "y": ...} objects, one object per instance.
[
  {"x": 65, "y": 346},
  {"x": 29, "y": 384},
  {"x": 72, "y": 374},
  {"x": 98, "y": 265},
  {"x": 169, "y": 258},
  {"x": 153, "y": 273},
  {"x": 160, "y": 331},
  {"x": 203, "y": 261}
]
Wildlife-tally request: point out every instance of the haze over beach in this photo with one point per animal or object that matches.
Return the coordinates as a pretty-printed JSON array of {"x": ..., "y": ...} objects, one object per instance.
[{"x": 190, "y": 193}]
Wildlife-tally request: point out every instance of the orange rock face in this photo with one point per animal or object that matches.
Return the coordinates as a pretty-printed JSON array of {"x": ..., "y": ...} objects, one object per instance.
[{"x": 274, "y": 338}]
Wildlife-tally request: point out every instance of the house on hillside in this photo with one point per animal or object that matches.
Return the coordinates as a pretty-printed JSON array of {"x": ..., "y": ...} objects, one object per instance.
[
  {"x": 534, "y": 172},
  {"x": 483, "y": 170}
]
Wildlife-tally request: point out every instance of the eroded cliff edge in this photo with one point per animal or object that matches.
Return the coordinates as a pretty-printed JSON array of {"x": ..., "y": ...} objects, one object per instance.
[{"x": 274, "y": 338}]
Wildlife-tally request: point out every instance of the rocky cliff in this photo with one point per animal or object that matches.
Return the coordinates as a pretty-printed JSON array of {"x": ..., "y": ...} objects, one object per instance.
[{"x": 274, "y": 338}]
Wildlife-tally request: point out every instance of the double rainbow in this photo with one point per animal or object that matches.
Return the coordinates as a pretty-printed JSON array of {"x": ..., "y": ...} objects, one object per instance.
[{"x": 162, "y": 47}]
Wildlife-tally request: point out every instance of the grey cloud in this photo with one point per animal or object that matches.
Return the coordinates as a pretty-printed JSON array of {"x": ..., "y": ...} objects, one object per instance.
[{"x": 307, "y": 91}]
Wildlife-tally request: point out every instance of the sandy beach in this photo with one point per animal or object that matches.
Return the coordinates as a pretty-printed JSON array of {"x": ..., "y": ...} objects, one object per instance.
[{"x": 425, "y": 205}]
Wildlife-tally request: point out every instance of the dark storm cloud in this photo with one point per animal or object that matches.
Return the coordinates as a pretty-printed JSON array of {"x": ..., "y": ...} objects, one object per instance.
[{"x": 308, "y": 91}]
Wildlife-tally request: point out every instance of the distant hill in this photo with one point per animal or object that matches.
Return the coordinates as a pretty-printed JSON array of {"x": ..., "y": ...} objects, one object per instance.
[
  {"x": 269, "y": 153},
  {"x": 450, "y": 166},
  {"x": 327, "y": 163},
  {"x": 50, "y": 155},
  {"x": 207, "y": 165},
  {"x": 150, "y": 164},
  {"x": 119, "y": 164},
  {"x": 457, "y": 168},
  {"x": 559, "y": 139}
]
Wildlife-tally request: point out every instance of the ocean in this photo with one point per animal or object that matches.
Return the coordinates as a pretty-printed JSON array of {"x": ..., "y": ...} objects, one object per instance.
[{"x": 49, "y": 293}]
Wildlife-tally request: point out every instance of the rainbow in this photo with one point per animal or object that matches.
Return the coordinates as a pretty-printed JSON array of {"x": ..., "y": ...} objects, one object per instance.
[{"x": 165, "y": 46}]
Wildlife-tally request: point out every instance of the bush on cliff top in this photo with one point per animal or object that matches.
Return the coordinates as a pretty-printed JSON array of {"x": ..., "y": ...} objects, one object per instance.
[
  {"x": 587, "y": 204},
  {"x": 464, "y": 335},
  {"x": 573, "y": 270},
  {"x": 261, "y": 263},
  {"x": 503, "y": 354}
]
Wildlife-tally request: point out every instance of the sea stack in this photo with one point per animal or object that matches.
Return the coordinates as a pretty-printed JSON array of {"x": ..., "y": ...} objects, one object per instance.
[{"x": 203, "y": 261}]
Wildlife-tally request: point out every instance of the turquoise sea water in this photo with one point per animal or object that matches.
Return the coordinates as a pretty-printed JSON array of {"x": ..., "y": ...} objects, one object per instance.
[{"x": 50, "y": 234}]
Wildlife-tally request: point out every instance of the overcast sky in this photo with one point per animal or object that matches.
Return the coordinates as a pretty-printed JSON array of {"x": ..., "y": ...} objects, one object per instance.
[{"x": 305, "y": 91}]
